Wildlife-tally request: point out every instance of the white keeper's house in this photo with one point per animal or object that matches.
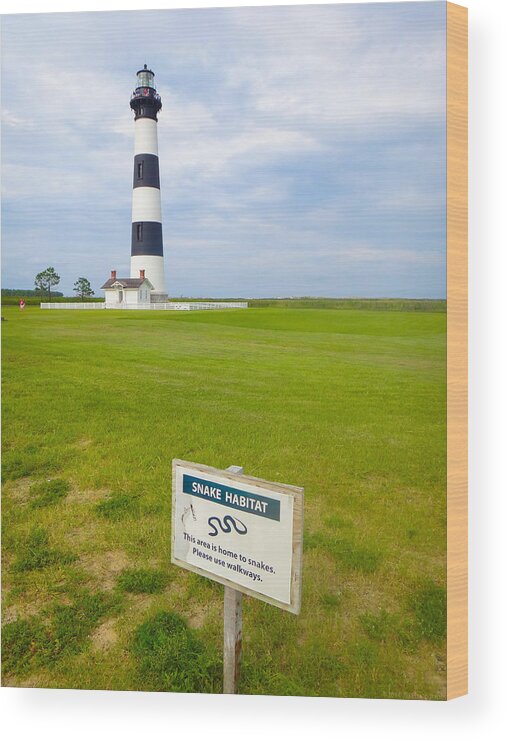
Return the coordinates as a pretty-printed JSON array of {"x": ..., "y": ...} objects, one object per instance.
[{"x": 129, "y": 291}]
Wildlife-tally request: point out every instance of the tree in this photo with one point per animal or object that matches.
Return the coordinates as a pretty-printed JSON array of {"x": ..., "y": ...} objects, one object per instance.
[
  {"x": 46, "y": 279},
  {"x": 83, "y": 288}
]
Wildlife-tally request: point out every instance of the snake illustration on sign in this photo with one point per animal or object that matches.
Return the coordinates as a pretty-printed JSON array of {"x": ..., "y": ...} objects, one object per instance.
[{"x": 225, "y": 525}]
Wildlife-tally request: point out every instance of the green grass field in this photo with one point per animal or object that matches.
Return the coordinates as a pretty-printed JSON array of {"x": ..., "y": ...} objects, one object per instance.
[{"x": 349, "y": 404}]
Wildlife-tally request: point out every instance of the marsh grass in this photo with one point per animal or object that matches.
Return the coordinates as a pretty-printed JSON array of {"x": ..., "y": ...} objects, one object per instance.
[
  {"x": 170, "y": 657},
  {"x": 63, "y": 631},
  {"x": 118, "y": 507},
  {"x": 331, "y": 600},
  {"x": 35, "y": 553},
  {"x": 429, "y": 604},
  {"x": 48, "y": 492},
  {"x": 348, "y": 403},
  {"x": 347, "y": 553},
  {"x": 143, "y": 581},
  {"x": 21, "y": 464}
]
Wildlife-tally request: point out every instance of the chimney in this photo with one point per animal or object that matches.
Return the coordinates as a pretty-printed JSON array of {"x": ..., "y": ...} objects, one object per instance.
[
  {"x": 141, "y": 274},
  {"x": 113, "y": 274}
]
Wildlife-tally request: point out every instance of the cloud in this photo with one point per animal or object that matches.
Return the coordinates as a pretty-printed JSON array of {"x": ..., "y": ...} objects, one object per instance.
[
  {"x": 385, "y": 68},
  {"x": 309, "y": 139}
]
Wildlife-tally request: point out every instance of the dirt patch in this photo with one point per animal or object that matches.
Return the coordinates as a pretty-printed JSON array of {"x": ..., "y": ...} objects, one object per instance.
[
  {"x": 198, "y": 616},
  {"x": 34, "y": 681},
  {"x": 105, "y": 566},
  {"x": 81, "y": 535},
  {"x": 154, "y": 563},
  {"x": 176, "y": 591},
  {"x": 140, "y": 602},
  {"x": 16, "y": 611},
  {"x": 105, "y": 636},
  {"x": 82, "y": 444},
  {"x": 197, "y": 611},
  {"x": 88, "y": 496},
  {"x": 19, "y": 489},
  {"x": 434, "y": 675}
]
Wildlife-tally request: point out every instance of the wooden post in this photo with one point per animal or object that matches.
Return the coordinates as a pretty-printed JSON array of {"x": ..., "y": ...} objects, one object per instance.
[
  {"x": 233, "y": 628},
  {"x": 232, "y": 638}
]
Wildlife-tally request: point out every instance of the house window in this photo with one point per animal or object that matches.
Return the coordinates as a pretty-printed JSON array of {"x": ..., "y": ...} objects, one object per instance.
[
  {"x": 140, "y": 168},
  {"x": 139, "y": 232}
]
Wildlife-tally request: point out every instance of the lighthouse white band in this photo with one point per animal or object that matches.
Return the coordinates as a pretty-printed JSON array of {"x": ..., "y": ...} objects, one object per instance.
[
  {"x": 153, "y": 267},
  {"x": 146, "y": 141},
  {"x": 146, "y": 204}
]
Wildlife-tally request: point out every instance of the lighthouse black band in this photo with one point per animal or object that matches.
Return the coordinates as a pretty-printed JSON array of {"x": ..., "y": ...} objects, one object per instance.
[
  {"x": 147, "y": 238},
  {"x": 146, "y": 172},
  {"x": 145, "y": 102}
]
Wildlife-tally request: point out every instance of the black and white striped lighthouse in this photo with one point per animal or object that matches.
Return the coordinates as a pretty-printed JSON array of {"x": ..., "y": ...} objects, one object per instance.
[{"x": 147, "y": 251}]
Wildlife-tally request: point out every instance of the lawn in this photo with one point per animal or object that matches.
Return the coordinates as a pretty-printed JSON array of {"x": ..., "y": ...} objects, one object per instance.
[{"x": 349, "y": 404}]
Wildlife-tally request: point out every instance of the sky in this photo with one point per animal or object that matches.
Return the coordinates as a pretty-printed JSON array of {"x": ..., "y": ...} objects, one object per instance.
[{"x": 302, "y": 148}]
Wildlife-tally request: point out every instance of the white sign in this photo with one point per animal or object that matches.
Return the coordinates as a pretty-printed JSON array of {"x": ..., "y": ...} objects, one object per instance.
[{"x": 243, "y": 532}]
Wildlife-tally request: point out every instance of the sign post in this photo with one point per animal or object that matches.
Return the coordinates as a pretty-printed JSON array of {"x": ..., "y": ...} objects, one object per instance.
[
  {"x": 243, "y": 532},
  {"x": 233, "y": 638},
  {"x": 233, "y": 628}
]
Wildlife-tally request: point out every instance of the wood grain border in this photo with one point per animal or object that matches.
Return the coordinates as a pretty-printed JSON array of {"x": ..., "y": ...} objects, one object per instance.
[{"x": 457, "y": 351}]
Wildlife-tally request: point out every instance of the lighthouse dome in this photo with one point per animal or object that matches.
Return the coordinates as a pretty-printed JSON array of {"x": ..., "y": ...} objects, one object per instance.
[{"x": 145, "y": 78}]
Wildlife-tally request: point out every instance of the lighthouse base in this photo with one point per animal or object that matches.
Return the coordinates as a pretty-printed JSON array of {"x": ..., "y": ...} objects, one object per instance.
[{"x": 153, "y": 266}]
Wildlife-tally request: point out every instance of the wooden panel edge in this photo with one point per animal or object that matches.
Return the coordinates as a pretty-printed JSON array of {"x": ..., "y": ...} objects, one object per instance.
[{"x": 457, "y": 351}]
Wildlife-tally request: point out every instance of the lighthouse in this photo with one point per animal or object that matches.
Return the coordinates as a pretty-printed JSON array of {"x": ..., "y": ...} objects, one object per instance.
[
  {"x": 145, "y": 288},
  {"x": 147, "y": 253}
]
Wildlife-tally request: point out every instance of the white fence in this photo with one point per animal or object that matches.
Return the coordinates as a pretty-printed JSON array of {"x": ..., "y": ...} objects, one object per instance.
[
  {"x": 194, "y": 306},
  {"x": 81, "y": 306}
]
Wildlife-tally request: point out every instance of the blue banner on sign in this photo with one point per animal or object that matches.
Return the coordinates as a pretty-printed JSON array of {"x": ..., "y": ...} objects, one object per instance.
[{"x": 234, "y": 498}]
